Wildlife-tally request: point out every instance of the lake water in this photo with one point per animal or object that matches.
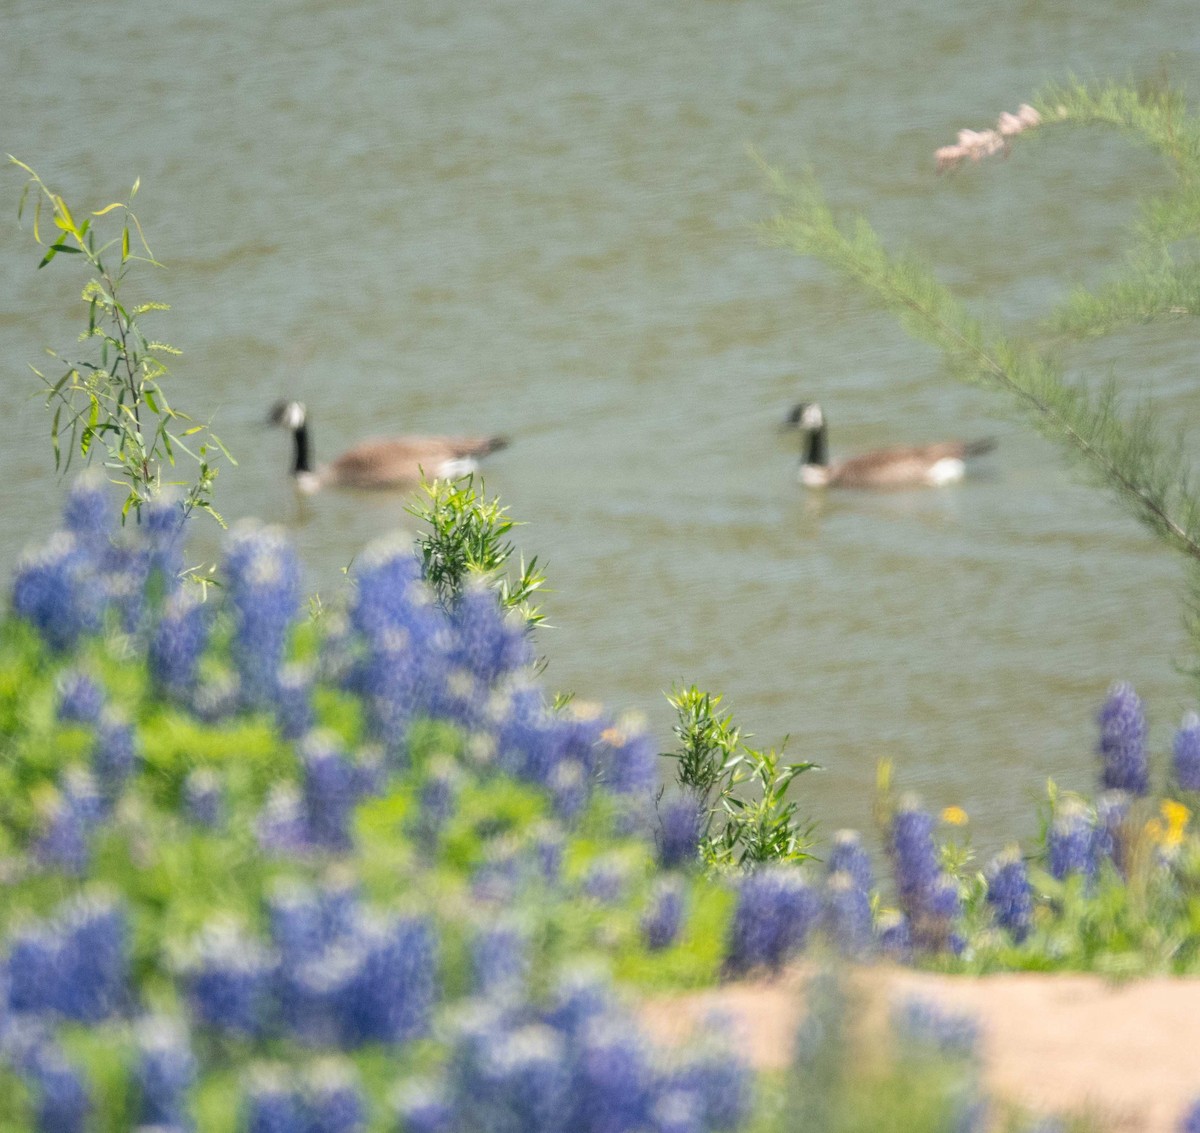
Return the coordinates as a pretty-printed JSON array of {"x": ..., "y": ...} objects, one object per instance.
[{"x": 540, "y": 219}]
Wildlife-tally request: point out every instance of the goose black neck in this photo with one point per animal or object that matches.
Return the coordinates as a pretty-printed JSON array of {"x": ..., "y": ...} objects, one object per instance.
[
  {"x": 301, "y": 435},
  {"x": 817, "y": 451}
]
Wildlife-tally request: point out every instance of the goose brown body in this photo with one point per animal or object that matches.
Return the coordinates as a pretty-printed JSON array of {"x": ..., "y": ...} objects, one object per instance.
[
  {"x": 900, "y": 466},
  {"x": 383, "y": 462}
]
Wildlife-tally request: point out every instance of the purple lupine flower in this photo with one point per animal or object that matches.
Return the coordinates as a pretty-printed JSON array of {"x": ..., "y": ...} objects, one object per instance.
[
  {"x": 614, "y": 1083},
  {"x": 663, "y": 915},
  {"x": 114, "y": 756},
  {"x": 1190, "y": 1122},
  {"x": 628, "y": 759},
  {"x": 179, "y": 640},
  {"x": 846, "y": 916},
  {"x": 1071, "y": 840},
  {"x": 580, "y": 995},
  {"x": 438, "y": 798},
  {"x": 947, "y": 1033},
  {"x": 547, "y": 846},
  {"x": 282, "y": 824},
  {"x": 1009, "y": 893},
  {"x": 54, "y": 589},
  {"x": 1111, "y": 835},
  {"x": 63, "y": 1101},
  {"x": 678, "y": 1111},
  {"x": 204, "y": 797},
  {"x": 228, "y": 980},
  {"x": 264, "y": 589},
  {"x": 293, "y": 701},
  {"x": 1186, "y": 753},
  {"x": 332, "y": 788},
  {"x": 719, "y": 1081},
  {"x": 62, "y": 841},
  {"x": 424, "y": 1107},
  {"x": 273, "y": 1105},
  {"x": 87, "y": 511},
  {"x": 680, "y": 822},
  {"x": 394, "y": 1000},
  {"x": 500, "y": 959},
  {"x": 335, "y": 1099},
  {"x": 299, "y": 927},
  {"x": 35, "y": 968},
  {"x": 165, "y": 1071},
  {"x": 848, "y": 855},
  {"x": 1122, "y": 744},
  {"x": 405, "y": 638},
  {"x": 894, "y": 935},
  {"x": 488, "y": 641},
  {"x": 929, "y": 898},
  {"x": 80, "y": 699},
  {"x": 776, "y": 909},
  {"x": 532, "y": 1077},
  {"x": 94, "y": 958},
  {"x": 914, "y": 856},
  {"x": 569, "y": 789},
  {"x": 160, "y": 533},
  {"x": 604, "y": 880}
]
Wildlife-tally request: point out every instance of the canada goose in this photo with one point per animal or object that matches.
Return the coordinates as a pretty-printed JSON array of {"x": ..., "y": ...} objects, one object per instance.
[
  {"x": 900, "y": 467},
  {"x": 380, "y": 463}
]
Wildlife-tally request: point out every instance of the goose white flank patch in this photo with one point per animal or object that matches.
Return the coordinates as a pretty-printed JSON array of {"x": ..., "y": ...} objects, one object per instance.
[
  {"x": 388, "y": 462},
  {"x": 903, "y": 466}
]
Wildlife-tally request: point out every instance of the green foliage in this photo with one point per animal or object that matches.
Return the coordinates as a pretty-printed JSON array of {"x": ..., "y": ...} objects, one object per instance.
[
  {"x": 713, "y": 762},
  {"x": 1123, "y": 446},
  {"x": 112, "y": 394},
  {"x": 467, "y": 537}
]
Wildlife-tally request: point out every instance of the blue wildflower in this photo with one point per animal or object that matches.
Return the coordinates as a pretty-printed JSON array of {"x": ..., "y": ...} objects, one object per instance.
[
  {"x": 720, "y": 1084},
  {"x": 63, "y": 1101},
  {"x": 94, "y": 959},
  {"x": 335, "y": 1099},
  {"x": 500, "y": 958},
  {"x": 488, "y": 641},
  {"x": 1191, "y": 1119},
  {"x": 263, "y": 576},
  {"x": 614, "y": 1084},
  {"x": 1186, "y": 753},
  {"x": 569, "y": 789},
  {"x": 914, "y": 856},
  {"x": 62, "y": 841},
  {"x": 114, "y": 756},
  {"x": 55, "y": 589},
  {"x": 846, "y": 916},
  {"x": 80, "y": 699},
  {"x": 332, "y": 788},
  {"x": 663, "y": 915},
  {"x": 228, "y": 980},
  {"x": 1071, "y": 840},
  {"x": 166, "y": 1069},
  {"x": 423, "y": 1106},
  {"x": 204, "y": 797},
  {"x": 894, "y": 935},
  {"x": 848, "y": 855},
  {"x": 776, "y": 909},
  {"x": 293, "y": 701},
  {"x": 628, "y": 759},
  {"x": 36, "y": 968},
  {"x": 179, "y": 640},
  {"x": 1123, "y": 741},
  {"x": 273, "y": 1105},
  {"x": 88, "y": 512},
  {"x": 936, "y": 1030},
  {"x": 1111, "y": 837},
  {"x": 1009, "y": 893},
  {"x": 680, "y": 823},
  {"x": 282, "y": 824},
  {"x": 160, "y": 531}
]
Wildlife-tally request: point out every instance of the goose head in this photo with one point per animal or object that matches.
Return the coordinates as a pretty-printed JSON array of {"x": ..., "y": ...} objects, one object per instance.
[
  {"x": 288, "y": 414},
  {"x": 806, "y": 415}
]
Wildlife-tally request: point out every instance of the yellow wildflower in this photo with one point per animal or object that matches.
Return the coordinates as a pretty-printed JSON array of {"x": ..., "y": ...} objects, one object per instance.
[{"x": 955, "y": 816}]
